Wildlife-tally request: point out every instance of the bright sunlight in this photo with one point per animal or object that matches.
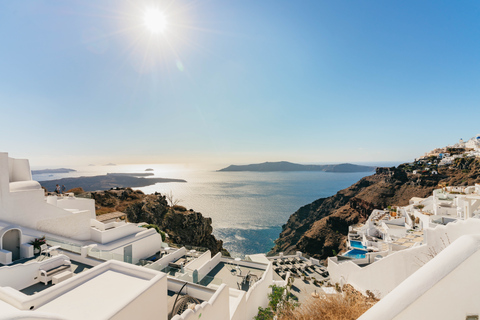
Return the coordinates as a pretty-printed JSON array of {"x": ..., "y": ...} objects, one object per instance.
[{"x": 155, "y": 20}]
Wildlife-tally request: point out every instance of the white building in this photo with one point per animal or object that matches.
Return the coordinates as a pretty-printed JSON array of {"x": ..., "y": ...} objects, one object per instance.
[
  {"x": 79, "y": 277},
  {"x": 473, "y": 143},
  {"x": 444, "y": 288},
  {"x": 420, "y": 231}
]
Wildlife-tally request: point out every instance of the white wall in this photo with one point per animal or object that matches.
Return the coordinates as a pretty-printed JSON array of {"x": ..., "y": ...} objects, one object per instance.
[
  {"x": 257, "y": 295},
  {"x": 23, "y": 275},
  {"x": 19, "y": 170},
  {"x": 217, "y": 308},
  {"x": 383, "y": 276},
  {"x": 121, "y": 230},
  {"x": 174, "y": 256},
  {"x": 200, "y": 261},
  {"x": 445, "y": 288},
  {"x": 145, "y": 243},
  {"x": 24, "y": 302},
  {"x": 150, "y": 304},
  {"x": 238, "y": 304},
  {"x": 208, "y": 266},
  {"x": 77, "y": 203},
  {"x": 146, "y": 246},
  {"x": 29, "y": 209},
  {"x": 442, "y": 236},
  {"x": 194, "y": 290}
]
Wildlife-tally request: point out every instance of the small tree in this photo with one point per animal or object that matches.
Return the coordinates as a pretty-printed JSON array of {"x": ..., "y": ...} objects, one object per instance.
[
  {"x": 171, "y": 199},
  {"x": 280, "y": 300}
]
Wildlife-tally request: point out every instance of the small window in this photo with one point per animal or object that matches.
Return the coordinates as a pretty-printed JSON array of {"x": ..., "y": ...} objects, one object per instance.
[{"x": 472, "y": 317}]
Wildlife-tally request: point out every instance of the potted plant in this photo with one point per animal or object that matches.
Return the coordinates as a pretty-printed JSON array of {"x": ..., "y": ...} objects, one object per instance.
[{"x": 36, "y": 243}]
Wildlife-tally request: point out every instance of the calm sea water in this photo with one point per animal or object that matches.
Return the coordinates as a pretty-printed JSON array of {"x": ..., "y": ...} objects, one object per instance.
[{"x": 248, "y": 209}]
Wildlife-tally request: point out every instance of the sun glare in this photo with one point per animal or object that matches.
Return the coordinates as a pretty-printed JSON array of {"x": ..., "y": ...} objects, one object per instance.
[{"x": 154, "y": 20}]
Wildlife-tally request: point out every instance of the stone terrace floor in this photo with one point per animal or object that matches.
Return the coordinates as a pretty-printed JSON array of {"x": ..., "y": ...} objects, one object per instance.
[{"x": 233, "y": 276}]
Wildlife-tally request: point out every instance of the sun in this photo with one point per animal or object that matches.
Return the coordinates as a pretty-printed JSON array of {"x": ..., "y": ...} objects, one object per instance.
[{"x": 154, "y": 20}]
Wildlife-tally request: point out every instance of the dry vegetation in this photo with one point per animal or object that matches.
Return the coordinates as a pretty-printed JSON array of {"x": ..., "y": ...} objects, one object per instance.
[{"x": 349, "y": 305}]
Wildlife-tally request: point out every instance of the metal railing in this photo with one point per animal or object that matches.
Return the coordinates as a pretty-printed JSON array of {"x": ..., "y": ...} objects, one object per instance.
[
  {"x": 104, "y": 255},
  {"x": 185, "y": 275},
  {"x": 178, "y": 246},
  {"x": 67, "y": 246}
]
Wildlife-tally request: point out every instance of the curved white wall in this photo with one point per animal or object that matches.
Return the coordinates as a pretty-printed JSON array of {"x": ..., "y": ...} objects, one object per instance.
[{"x": 447, "y": 287}]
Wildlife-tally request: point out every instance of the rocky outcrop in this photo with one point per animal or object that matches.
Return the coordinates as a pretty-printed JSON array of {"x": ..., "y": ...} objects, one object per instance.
[
  {"x": 183, "y": 226},
  {"x": 320, "y": 228}
]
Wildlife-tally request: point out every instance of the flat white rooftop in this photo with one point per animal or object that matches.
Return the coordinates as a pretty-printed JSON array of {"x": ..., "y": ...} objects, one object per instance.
[{"x": 98, "y": 297}]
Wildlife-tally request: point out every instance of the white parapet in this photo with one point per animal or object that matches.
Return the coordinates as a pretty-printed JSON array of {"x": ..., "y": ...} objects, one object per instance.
[{"x": 428, "y": 293}]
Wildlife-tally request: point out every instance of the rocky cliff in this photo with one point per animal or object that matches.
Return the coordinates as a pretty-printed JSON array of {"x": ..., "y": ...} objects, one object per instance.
[
  {"x": 183, "y": 226},
  {"x": 320, "y": 228}
]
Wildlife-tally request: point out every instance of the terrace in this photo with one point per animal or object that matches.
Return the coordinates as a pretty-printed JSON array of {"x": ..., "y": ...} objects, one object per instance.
[
  {"x": 26, "y": 276},
  {"x": 76, "y": 268},
  {"x": 298, "y": 267},
  {"x": 411, "y": 239},
  {"x": 236, "y": 276}
]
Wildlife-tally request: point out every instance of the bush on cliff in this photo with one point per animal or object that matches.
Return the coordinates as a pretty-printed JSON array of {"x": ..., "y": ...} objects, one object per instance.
[
  {"x": 154, "y": 226},
  {"x": 179, "y": 208},
  {"x": 76, "y": 191}
]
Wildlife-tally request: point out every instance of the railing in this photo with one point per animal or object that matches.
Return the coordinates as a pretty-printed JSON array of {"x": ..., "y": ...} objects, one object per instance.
[
  {"x": 185, "y": 275},
  {"x": 67, "y": 246},
  {"x": 179, "y": 246},
  {"x": 103, "y": 255}
]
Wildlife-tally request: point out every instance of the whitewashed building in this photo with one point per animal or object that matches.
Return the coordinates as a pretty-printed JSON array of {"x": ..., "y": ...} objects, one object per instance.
[
  {"x": 421, "y": 230},
  {"x": 117, "y": 270}
]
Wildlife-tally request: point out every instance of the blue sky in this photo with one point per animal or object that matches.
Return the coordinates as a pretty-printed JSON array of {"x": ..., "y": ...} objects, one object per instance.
[{"x": 237, "y": 81}]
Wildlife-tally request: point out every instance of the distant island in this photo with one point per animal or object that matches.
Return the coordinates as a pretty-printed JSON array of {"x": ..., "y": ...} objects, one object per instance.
[
  {"x": 61, "y": 170},
  {"x": 141, "y": 174},
  {"x": 289, "y": 166},
  {"x": 106, "y": 182}
]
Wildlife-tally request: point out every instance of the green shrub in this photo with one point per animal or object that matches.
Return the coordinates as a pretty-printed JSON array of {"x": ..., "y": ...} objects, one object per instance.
[
  {"x": 154, "y": 226},
  {"x": 278, "y": 303}
]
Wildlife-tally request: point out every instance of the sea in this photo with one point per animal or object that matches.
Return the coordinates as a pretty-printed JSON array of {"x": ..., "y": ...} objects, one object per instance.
[{"x": 247, "y": 209}]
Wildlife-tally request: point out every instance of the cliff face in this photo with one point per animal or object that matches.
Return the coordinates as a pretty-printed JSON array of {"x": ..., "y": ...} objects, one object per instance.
[
  {"x": 183, "y": 226},
  {"x": 320, "y": 228}
]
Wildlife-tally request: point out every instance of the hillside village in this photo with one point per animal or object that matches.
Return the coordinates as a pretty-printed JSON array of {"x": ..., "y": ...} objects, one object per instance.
[{"x": 445, "y": 156}]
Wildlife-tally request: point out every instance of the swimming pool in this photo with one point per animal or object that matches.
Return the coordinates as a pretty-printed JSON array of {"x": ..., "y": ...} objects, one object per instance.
[
  {"x": 356, "y": 244},
  {"x": 355, "y": 254}
]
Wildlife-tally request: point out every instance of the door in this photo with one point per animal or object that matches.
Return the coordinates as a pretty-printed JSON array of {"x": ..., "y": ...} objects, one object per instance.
[
  {"x": 127, "y": 254},
  {"x": 11, "y": 242}
]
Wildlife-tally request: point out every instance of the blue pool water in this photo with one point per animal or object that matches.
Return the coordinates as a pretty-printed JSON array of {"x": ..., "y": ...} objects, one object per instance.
[
  {"x": 355, "y": 254},
  {"x": 357, "y": 244}
]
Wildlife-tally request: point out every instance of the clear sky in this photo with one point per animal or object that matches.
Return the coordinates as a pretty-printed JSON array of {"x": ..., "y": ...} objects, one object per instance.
[{"x": 236, "y": 81}]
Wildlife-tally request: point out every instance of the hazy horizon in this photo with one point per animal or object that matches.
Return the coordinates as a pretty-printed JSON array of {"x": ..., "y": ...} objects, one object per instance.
[
  {"x": 195, "y": 166},
  {"x": 224, "y": 82}
]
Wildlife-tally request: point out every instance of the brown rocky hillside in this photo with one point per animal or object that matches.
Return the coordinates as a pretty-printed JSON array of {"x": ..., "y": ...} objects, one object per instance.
[
  {"x": 184, "y": 227},
  {"x": 320, "y": 228}
]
